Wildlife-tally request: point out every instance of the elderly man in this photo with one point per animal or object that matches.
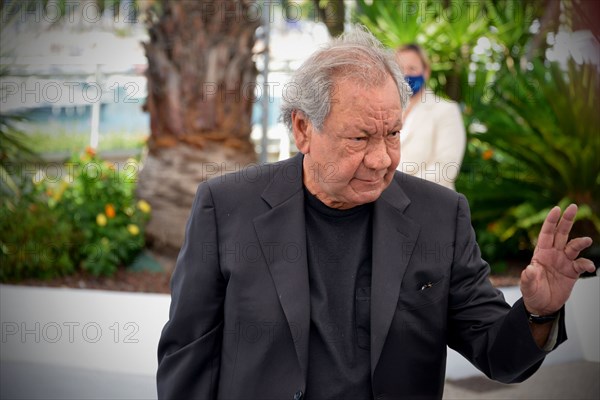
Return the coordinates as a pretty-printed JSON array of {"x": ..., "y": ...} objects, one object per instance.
[{"x": 331, "y": 275}]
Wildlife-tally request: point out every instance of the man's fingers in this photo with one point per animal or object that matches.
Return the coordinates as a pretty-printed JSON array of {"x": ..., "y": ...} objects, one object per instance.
[
  {"x": 561, "y": 235},
  {"x": 582, "y": 265},
  {"x": 577, "y": 245},
  {"x": 546, "y": 236}
]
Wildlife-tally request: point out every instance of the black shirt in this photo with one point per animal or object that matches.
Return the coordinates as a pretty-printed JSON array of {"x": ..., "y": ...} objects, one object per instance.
[{"x": 339, "y": 264}]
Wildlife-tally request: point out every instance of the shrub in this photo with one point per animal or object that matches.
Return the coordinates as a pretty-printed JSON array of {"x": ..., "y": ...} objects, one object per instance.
[
  {"x": 35, "y": 241},
  {"x": 97, "y": 198},
  {"x": 539, "y": 148},
  {"x": 89, "y": 219}
]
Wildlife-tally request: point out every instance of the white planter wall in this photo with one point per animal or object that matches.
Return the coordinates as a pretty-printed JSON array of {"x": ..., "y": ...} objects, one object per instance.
[
  {"x": 92, "y": 329},
  {"x": 119, "y": 331},
  {"x": 584, "y": 305}
]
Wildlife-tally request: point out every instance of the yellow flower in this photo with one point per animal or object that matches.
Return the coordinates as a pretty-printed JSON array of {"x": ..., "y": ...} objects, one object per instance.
[
  {"x": 101, "y": 219},
  {"x": 133, "y": 229},
  {"x": 144, "y": 206},
  {"x": 128, "y": 211},
  {"x": 61, "y": 189}
]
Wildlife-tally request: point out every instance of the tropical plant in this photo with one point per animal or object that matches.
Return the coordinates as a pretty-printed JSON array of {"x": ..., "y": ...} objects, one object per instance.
[
  {"x": 451, "y": 31},
  {"x": 539, "y": 148},
  {"x": 14, "y": 149},
  {"x": 15, "y": 152},
  {"x": 533, "y": 134}
]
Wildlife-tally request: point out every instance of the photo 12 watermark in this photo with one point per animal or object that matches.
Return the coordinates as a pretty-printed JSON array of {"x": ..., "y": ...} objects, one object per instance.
[
  {"x": 13, "y": 332},
  {"x": 71, "y": 11}
]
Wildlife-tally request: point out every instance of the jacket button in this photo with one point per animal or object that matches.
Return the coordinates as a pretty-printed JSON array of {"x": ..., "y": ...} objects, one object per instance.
[{"x": 298, "y": 395}]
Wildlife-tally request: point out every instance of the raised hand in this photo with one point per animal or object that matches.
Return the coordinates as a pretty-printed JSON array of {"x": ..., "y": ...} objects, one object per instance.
[{"x": 548, "y": 281}]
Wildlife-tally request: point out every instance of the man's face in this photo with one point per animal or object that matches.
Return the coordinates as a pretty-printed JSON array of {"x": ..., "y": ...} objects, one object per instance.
[{"x": 353, "y": 159}]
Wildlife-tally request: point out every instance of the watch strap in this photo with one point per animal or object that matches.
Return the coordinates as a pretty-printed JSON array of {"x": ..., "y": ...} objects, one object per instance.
[{"x": 542, "y": 319}]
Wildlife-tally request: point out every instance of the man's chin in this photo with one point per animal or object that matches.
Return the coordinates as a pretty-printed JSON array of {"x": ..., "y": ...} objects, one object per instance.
[
  {"x": 370, "y": 190},
  {"x": 368, "y": 196}
]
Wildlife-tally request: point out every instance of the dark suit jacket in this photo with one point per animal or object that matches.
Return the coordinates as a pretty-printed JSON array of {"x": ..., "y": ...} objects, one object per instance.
[{"x": 239, "y": 317}]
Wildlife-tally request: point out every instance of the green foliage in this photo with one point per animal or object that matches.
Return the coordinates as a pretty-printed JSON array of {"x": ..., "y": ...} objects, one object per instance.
[
  {"x": 14, "y": 150},
  {"x": 539, "y": 148},
  {"x": 35, "y": 241},
  {"x": 98, "y": 198},
  {"x": 29, "y": 229},
  {"x": 85, "y": 216},
  {"x": 449, "y": 31},
  {"x": 533, "y": 128}
]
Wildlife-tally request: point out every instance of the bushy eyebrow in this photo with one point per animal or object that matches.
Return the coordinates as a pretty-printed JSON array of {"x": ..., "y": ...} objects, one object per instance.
[
  {"x": 365, "y": 131},
  {"x": 397, "y": 124}
]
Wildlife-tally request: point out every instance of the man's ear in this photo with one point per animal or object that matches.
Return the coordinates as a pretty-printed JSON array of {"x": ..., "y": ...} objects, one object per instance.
[{"x": 302, "y": 130}]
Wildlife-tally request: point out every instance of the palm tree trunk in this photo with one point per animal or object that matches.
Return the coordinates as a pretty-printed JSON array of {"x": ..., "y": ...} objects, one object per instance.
[{"x": 201, "y": 80}]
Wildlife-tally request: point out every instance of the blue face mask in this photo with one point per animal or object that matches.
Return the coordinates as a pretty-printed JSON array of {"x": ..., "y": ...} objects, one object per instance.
[{"x": 415, "y": 82}]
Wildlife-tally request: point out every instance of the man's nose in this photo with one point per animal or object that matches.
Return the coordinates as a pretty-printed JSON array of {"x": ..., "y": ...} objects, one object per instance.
[{"x": 377, "y": 156}]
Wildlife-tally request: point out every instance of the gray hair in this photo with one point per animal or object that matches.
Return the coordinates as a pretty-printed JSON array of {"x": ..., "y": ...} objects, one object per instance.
[{"x": 356, "y": 55}]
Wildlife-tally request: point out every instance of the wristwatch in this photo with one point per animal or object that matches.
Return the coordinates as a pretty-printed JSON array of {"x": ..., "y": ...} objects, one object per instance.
[{"x": 542, "y": 319}]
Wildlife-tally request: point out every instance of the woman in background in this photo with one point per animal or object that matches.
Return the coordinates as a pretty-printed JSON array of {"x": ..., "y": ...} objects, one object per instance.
[{"x": 433, "y": 137}]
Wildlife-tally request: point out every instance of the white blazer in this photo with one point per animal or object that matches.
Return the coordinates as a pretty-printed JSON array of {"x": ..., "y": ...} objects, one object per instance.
[{"x": 433, "y": 140}]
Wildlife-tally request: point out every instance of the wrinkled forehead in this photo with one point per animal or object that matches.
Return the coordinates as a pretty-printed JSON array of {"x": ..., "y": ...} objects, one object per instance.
[
  {"x": 364, "y": 76},
  {"x": 356, "y": 101},
  {"x": 357, "y": 84}
]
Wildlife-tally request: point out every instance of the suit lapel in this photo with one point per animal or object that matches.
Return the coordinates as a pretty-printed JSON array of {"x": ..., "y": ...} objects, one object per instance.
[
  {"x": 282, "y": 236},
  {"x": 394, "y": 238}
]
